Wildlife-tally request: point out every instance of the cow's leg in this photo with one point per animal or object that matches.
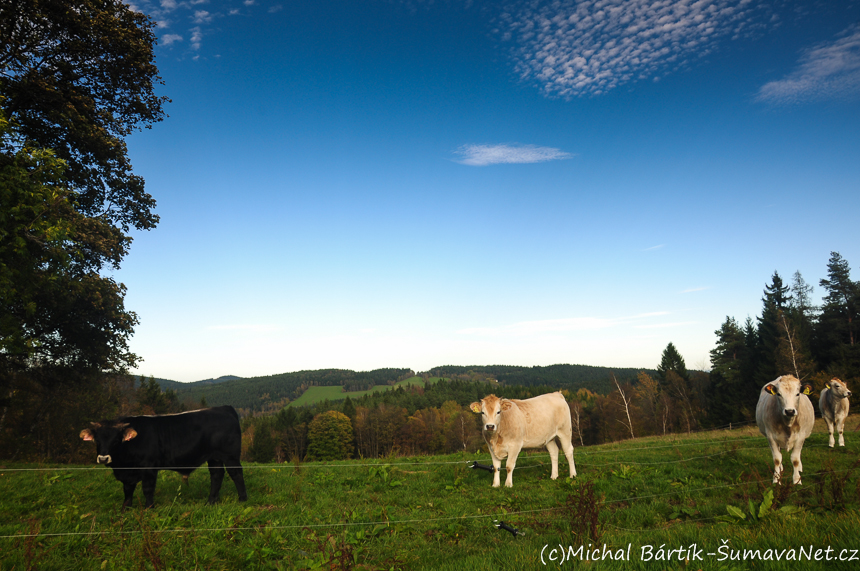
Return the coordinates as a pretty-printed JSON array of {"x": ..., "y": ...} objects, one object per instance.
[
  {"x": 830, "y": 428},
  {"x": 840, "y": 424},
  {"x": 795, "y": 461},
  {"x": 552, "y": 447},
  {"x": 777, "y": 460},
  {"x": 216, "y": 476},
  {"x": 510, "y": 464},
  {"x": 149, "y": 478},
  {"x": 128, "y": 488},
  {"x": 567, "y": 447},
  {"x": 234, "y": 469},
  {"x": 497, "y": 468}
]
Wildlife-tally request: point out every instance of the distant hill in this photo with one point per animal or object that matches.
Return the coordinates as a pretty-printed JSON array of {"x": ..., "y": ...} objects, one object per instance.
[
  {"x": 176, "y": 385},
  {"x": 276, "y": 391},
  {"x": 271, "y": 393}
]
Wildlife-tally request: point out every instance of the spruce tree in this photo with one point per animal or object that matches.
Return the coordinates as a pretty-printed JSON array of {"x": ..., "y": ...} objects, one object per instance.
[
  {"x": 671, "y": 360},
  {"x": 776, "y": 298},
  {"x": 837, "y": 330},
  {"x": 728, "y": 394}
]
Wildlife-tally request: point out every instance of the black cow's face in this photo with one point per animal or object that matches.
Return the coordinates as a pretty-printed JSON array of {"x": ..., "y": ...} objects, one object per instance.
[{"x": 108, "y": 436}]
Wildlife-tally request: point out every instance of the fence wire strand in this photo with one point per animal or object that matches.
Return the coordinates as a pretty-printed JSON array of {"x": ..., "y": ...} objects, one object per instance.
[{"x": 437, "y": 519}]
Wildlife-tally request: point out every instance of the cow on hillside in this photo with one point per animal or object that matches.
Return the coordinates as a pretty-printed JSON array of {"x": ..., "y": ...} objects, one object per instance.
[
  {"x": 834, "y": 407},
  {"x": 785, "y": 416},
  {"x": 137, "y": 447},
  {"x": 509, "y": 425}
]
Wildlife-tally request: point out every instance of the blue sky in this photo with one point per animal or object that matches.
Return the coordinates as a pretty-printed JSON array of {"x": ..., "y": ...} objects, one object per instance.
[{"x": 377, "y": 183}]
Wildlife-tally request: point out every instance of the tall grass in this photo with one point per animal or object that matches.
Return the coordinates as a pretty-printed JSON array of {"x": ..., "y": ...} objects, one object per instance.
[{"x": 711, "y": 489}]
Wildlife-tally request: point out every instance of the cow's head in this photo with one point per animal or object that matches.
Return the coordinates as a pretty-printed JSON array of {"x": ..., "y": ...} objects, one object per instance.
[
  {"x": 838, "y": 388},
  {"x": 108, "y": 436},
  {"x": 788, "y": 389},
  {"x": 491, "y": 408}
]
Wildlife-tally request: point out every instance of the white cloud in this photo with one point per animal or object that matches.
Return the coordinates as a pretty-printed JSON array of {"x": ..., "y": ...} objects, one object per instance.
[
  {"x": 827, "y": 71},
  {"x": 234, "y": 11},
  {"x": 246, "y": 327},
  {"x": 588, "y": 47},
  {"x": 664, "y": 325},
  {"x": 169, "y": 4},
  {"x": 483, "y": 155},
  {"x": 168, "y": 39},
  {"x": 202, "y": 17},
  {"x": 275, "y": 8},
  {"x": 249, "y": 2},
  {"x": 196, "y": 37},
  {"x": 572, "y": 324}
]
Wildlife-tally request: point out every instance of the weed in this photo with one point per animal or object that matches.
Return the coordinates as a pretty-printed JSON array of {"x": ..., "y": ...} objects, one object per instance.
[
  {"x": 382, "y": 473},
  {"x": 625, "y": 472},
  {"x": 583, "y": 508},
  {"x": 757, "y": 511},
  {"x": 34, "y": 547}
]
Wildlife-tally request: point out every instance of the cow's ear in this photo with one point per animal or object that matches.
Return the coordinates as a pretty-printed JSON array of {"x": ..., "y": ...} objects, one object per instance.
[
  {"x": 128, "y": 434},
  {"x": 827, "y": 385},
  {"x": 807, "y": 389},
  {"x": 770, "y": 389},
  {"x": 87, "y": 434},
  {"x": 475, "y": 407},
  {"x": 506, "y": 405}
]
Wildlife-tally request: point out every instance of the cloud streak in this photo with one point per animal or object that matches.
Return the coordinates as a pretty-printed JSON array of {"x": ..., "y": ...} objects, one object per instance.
[
  {"x": 573, "y": 48},
  {"x": 567, "y": 325},
  {"x": 484, "y": 155},
  {"x": 827, "y": 71}
]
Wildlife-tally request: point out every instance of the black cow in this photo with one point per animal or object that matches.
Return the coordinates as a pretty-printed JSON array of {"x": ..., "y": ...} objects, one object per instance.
[{"x": 137, "y": 447}]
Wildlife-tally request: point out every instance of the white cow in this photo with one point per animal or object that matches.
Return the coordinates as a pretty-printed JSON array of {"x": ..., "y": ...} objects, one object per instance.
[
  {"x": 509, "y": 425},
  {"x": 834, "y": 407},
  {"x": 785, "y": 416}
]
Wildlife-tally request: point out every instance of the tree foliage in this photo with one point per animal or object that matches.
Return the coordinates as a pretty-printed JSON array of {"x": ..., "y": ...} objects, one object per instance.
[
  {"x": 77, "y": 76},
  {"x": 56, "y": 308},
  {"x": 330, "y": 437}
]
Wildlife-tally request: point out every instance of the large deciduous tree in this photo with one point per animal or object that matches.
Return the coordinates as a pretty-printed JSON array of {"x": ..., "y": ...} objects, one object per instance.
[
  {"x": 330, "y": 437},
  {"x": 76, "y": 77}
]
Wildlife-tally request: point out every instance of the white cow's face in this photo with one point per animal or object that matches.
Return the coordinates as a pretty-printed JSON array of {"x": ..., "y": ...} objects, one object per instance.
[
  {"x": 788, "y": 389},
  {"x": 838, "y": 388},
  {"x": 491, "y": 408}
]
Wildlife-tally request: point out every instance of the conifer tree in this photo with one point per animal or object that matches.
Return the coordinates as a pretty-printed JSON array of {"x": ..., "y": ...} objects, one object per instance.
[
  {"x": 776, "y": 298},
  {"x": 837, "y": 328}
]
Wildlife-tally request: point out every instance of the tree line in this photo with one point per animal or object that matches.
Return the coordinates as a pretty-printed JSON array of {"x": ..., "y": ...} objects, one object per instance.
[{"x": 791, "y": 336}]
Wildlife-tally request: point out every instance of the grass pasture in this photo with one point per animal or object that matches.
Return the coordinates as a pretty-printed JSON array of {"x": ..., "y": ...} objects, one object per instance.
[
  {"x": 314, "y": 395},
  {"x": 711, "y": 489}
]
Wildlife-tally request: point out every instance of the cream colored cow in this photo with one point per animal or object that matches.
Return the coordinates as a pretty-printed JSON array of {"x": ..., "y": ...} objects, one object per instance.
[
  {"x": 833, "y": 405},
  {"x": 509, "y": 425},
  {"x": 785, "y": 416}
]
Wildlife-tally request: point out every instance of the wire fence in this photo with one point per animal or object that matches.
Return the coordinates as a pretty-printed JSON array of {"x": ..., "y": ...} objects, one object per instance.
[
  {"x": 410, "y": 521},
  {"x": 583, "y": 450}
]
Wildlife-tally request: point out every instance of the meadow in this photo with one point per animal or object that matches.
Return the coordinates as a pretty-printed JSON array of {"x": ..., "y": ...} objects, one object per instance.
[{"x": 699, "y": 501}]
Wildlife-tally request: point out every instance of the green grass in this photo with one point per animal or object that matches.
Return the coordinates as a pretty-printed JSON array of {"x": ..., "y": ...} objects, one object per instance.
[
  {"x": 436, "y": 513},
  {"x": 314, "y": 395}
]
